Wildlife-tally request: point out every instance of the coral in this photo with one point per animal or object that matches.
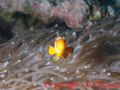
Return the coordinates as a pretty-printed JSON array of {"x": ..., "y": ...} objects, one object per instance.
[{"x": 74, "y": 13}]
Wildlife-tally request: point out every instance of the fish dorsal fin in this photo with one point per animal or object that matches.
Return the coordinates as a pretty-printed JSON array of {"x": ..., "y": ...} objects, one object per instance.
[{"x": 58, "y": 34}]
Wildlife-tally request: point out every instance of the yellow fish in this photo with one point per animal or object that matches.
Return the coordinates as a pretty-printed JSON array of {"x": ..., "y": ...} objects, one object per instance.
[{"x": 60, "y": 49}]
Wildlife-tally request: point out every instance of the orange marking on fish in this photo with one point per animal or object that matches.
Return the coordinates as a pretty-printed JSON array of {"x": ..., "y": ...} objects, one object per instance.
[{"x": 60, "y": 49}]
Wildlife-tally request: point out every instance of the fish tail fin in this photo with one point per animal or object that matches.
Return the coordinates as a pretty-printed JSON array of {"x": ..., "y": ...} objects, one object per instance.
[
  {"x": 69, "y": 50},
  {"x": 51, "y": 50}
]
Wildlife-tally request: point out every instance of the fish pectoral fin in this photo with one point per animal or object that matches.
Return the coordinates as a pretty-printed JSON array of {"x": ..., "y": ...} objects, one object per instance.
[
  {"x": 51, "y": 50},
  {"x": 63, "y": 58},
  {"x": 56, "y": 59}
]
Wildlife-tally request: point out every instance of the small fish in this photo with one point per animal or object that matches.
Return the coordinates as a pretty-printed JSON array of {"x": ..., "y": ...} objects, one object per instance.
[{"x": 60, "y": 49}]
